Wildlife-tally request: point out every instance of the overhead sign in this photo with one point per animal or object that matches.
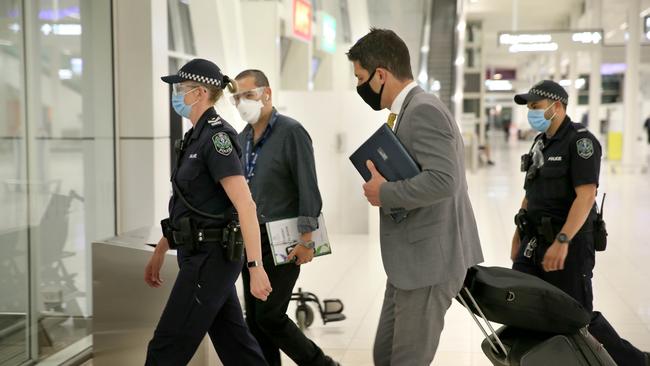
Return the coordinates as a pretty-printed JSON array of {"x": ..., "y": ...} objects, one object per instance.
[
  {"x": 550, "y": 41},
  {"x": 302, "y": 19},
  {"x": 327, "y": 33}
]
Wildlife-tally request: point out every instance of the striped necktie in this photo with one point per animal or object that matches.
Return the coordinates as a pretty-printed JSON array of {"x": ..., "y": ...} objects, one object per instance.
[{"x": 391, "y": 120}]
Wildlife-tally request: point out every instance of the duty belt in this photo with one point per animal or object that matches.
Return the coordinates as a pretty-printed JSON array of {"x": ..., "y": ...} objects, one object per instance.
[{"x": 200, "y": 236}]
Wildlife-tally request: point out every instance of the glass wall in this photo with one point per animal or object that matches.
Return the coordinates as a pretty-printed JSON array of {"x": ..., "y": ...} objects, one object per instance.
[
  {"x": 14, "y": 265},
  {"x": 58, "y": 158}
]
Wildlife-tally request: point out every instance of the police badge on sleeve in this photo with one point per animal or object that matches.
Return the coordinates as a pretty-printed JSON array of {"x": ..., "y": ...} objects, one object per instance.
[
  {"x": 222, "y": 143},
  {"x": 585, "y": 148}
]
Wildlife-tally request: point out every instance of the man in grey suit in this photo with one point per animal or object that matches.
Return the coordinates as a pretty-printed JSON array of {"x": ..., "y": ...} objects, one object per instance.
[{"x": 426, "y": 254}]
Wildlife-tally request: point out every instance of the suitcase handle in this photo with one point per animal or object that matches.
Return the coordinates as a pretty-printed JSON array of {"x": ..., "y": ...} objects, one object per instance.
[{"x": 488, "y": 337}]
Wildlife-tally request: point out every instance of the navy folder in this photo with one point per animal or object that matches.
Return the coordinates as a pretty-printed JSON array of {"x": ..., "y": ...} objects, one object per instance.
[
  {"x": 390, "y": 157},
  {"x": 388, "y": 154}
]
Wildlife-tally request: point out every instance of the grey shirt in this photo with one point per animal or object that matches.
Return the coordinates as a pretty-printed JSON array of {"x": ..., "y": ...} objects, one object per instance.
[{"x": 283, "y": 179}]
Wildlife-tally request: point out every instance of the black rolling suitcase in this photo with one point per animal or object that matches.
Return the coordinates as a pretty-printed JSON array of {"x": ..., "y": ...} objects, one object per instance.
[{"x": 536, "y": 332}]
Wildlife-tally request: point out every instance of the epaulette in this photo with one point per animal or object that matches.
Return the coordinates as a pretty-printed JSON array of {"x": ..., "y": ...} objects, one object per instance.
[{"x": 215, "y": 121}]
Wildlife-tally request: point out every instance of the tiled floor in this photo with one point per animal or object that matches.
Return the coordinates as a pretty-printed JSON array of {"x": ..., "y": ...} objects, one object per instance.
[{"x": 355, "y": 274}]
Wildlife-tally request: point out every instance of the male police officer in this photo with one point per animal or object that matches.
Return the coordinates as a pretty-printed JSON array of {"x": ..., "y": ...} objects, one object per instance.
[
  {"x": 562, "y": 172},
  {"x": 279, "y": 164}
]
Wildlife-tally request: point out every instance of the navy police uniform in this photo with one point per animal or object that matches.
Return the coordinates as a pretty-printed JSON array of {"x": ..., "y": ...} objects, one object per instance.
[
  {"x": 203, "y": 298},
  {"x": 556, "y": 166}
]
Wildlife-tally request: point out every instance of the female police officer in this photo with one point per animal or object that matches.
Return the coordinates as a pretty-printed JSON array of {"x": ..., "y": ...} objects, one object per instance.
[{"x": 208, "y": 181}]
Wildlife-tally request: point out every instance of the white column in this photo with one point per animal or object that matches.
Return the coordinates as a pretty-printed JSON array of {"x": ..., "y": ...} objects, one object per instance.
[
  {"x": 262, "y": 36},
  {"x": 595, "y": 82},
  {"x": 142, "y": 112},
  {"x": 631, "y": 119},
  {"x": 558, "y": 67},
  {"x": 573, "y": 92}
]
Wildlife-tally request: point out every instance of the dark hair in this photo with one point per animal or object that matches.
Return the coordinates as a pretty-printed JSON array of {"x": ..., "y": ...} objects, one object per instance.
[
  {"x": 260, "y": 78},
  {"x": 382, "y": 48}
]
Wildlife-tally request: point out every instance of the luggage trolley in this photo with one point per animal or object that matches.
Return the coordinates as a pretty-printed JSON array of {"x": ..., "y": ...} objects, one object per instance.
[
  {"x": 330, "y": 311},
  {"x": 515, "y": 344}
]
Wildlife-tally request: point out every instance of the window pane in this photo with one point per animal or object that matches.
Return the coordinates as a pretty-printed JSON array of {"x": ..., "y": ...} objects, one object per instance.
[
  {"x": 14, "y": 268},
  {"x": 71, "y": 161}
]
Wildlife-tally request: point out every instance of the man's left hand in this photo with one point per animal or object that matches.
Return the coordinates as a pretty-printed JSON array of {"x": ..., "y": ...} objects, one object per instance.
[
  {"x": 372, "y": 187},
  {"x": 555, "y": 257},
  {"x": 302, "y": 254}
]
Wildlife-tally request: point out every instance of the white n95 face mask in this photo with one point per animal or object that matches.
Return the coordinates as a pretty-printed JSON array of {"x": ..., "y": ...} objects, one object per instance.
[{"x": 250, "y": 110}]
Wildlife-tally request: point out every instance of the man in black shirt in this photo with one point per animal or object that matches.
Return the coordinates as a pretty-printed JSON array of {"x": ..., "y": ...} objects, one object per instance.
[
  {"x": 562, "y": 171},
  {"x": 278, "y": 160}
]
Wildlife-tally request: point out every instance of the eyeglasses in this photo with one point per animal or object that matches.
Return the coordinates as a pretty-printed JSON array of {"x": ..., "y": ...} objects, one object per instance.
[
  {"x": 253, "y": 94},
  {"x": 182, "y": 89}
]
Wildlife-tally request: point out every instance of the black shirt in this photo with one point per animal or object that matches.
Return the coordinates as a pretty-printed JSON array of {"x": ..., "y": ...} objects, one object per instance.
[
  {"x": 283, "y": 182},
  {"x": 568, "y": 159},
  {"x": 210, "y": 153}
]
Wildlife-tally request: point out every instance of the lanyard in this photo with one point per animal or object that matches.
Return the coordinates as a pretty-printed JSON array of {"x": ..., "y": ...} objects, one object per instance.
[{"x": 252, "y": 153}]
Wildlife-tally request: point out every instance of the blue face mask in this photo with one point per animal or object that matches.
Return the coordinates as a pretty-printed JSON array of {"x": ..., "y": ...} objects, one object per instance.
[
  {"x": 537, "y": 120},
  {"x": 178, "y": 103}
]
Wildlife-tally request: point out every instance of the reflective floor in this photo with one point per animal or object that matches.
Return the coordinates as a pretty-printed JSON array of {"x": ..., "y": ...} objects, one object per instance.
[{"x": 355, "y": 274}]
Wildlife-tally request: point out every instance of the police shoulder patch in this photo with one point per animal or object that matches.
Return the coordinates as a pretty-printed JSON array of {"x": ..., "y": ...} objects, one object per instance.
[
  {"x": 585, "y": 147},
  {"x": 222, "y": 143}
]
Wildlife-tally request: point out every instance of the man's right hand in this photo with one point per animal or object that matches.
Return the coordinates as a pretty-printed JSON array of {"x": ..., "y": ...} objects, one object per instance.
[
  {"x": 259, "y": 283},
  {"x": 516, "y": 243},
  {"x": 152, "y": 270}
]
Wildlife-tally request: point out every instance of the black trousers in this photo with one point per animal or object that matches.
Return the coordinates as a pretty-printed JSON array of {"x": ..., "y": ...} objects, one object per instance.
[
  {"x": 204, "y": 300},
  {"x": 575, "y": 280},
  {"x": 268, "y": 320}
]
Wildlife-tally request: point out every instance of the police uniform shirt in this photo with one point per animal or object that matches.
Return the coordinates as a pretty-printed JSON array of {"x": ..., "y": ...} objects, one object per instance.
[
  {"x": 571, "y": 158},
  {"x": 210, "y": 153}
]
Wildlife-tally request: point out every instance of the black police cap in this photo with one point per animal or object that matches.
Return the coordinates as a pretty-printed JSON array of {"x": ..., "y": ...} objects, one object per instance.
[
  {"x": 199, "y": 70},
  {"x": 546, "y": 89}
]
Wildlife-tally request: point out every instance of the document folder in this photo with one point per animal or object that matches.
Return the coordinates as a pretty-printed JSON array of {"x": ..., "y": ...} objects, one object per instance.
[{"x": 390, "y": 157}]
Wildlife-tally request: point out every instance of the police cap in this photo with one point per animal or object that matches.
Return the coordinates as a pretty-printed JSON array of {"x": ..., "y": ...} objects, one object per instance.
[
  {"x": 546, "y": 89},
  {"x": 199, "y": 70}
]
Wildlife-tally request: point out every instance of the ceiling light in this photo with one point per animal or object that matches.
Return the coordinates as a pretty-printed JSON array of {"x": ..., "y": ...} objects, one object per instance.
[
  {"x": 623, "y": 26},
  {"x": 498, "y": 85},
  {"x": 524, "y": 38},
  {"x": 534, "y": 47},
  {"x": 65, "y": 74},
  {"x": 587, "y": 37}
]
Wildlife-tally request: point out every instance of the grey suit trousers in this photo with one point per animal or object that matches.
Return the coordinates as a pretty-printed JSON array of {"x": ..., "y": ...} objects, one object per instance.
[{"x": 411, "y": 322}]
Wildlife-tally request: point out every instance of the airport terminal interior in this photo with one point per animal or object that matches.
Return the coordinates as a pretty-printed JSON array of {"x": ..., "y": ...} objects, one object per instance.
[{"x": 87, "y": 147}]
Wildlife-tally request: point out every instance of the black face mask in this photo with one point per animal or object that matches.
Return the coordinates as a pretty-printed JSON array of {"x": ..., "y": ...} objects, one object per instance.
[{"x": 368, "y": 95}]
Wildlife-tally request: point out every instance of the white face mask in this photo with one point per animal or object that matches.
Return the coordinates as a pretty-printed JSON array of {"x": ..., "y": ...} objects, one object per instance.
[{"x": 250, "y": 110}]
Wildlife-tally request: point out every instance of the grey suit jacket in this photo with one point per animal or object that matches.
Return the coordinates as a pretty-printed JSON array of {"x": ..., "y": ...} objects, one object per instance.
[{"x": 438, "y": 240}]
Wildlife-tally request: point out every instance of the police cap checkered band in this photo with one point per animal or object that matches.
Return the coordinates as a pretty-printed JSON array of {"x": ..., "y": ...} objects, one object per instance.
[
  {"x": 199, "y": 78},
  {"x": 199, "y": 70},
  {"x": 546, "y": 89}
]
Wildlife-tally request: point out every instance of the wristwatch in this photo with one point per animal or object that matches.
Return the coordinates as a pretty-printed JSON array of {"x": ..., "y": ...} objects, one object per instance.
[
  {"x": 310, "y": 244},
  {"x": 252, "y": 264},
  {"x": 563, "y": 238}
]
